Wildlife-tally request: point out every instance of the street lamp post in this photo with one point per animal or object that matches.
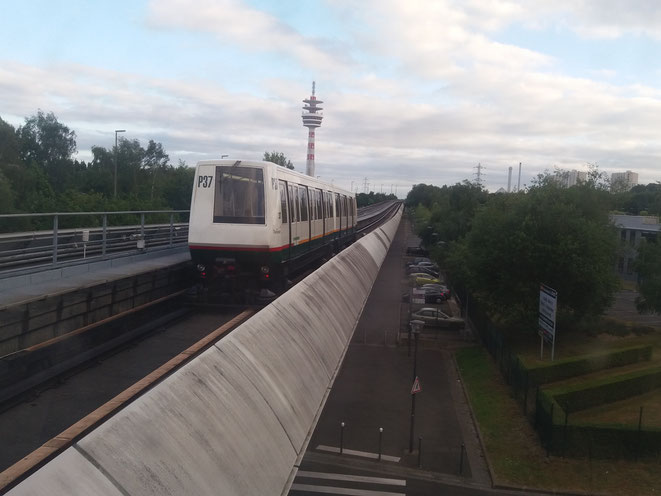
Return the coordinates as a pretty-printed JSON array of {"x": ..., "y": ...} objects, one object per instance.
[
  {"x": 114, "y": 191},
  {"x": 416, "y": 327}
]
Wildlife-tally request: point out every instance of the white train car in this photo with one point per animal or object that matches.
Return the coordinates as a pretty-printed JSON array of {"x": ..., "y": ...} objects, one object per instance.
[{"x": 253, "y": 223}]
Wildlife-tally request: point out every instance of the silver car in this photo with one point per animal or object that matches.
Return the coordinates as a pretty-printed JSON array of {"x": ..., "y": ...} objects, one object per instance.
[{"x": 433, "y": 317}]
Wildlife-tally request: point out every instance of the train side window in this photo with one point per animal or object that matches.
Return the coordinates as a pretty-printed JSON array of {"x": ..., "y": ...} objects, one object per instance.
[
  {"x": 337, "y": 205},
  {"x": 284, "y": 215},
  {"x": 303, "y": 195}
]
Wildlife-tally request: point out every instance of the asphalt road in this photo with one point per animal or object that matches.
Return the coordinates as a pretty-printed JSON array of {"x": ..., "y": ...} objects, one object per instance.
[{"x": 372, "y": 391}]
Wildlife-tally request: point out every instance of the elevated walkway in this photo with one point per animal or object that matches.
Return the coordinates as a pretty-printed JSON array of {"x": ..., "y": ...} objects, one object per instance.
[{"x": 41, "y": 305}]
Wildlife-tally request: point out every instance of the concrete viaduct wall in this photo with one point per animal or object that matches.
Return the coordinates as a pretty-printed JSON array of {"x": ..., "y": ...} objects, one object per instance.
[{"x": 237, "y": 419}]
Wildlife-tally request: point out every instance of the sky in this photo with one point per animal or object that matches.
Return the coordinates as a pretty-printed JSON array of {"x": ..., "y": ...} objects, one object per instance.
[{"x": 416, "y": 91}]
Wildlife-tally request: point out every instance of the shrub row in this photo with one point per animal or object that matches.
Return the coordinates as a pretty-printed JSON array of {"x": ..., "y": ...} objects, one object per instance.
[
  {"x": 606, "y": 390},
  {"x": 581, "y": 365}
]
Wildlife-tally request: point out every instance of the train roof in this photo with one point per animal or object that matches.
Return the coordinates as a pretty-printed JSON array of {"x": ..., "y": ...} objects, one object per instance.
[{"x": 280, "y": 169}]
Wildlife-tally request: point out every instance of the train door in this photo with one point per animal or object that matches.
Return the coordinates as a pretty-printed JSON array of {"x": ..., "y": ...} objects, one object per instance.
[
  {"x": 338, "y": 215},
  {"x": 304, "y": 229},
  {"x": 293, "y": 217},
  {"x": 328, "y": 215},
  {"x": 317, "y": 217},
  {"x": 285, "y": 225}
]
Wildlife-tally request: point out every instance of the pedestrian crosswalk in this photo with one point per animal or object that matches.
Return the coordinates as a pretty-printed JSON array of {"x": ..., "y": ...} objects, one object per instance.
[{"x": 313, "y": 483}]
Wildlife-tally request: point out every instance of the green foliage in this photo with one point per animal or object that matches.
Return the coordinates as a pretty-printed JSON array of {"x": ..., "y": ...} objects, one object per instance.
[
  {"x": 587, "y": 394},
  {"x": 443, "y": 215},
  {"x": 38, "y": 174},
  {"x": 278, "y": 158},
  {"x": 364, "y": 199},
  {"x": 556, "y": 236},
  {"x": 45, "y": 141},
  {"x": 580, "y": 365},
  {"x": 9, "y": 145},
  {"x": 648, "y": 266}
]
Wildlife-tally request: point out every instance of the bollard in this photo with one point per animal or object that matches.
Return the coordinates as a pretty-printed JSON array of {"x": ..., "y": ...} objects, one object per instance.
[
  {"x": 461, "y": 459},
  {"x": 419, "y": 451},
  {"x": 380, "y": 441},
  {"x": 341, "y": 437}
]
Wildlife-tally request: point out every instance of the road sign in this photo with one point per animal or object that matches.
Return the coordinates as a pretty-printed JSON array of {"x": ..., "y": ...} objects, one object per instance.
[
  {"x": 416, "y": 386},
  {"x": 548, "y": 298},
  {"x": 548, "y": 301}
]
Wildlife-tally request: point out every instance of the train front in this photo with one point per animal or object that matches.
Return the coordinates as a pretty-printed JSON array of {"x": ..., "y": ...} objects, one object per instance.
[{"x": 228, "y": 232}]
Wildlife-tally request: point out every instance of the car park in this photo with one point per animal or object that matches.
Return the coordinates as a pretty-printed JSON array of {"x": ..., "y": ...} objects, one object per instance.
[{"x": 433, "y": 317}]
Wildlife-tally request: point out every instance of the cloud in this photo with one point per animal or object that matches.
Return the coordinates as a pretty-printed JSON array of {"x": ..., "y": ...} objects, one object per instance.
[
  {"x": 249, "y": 29},
  {"x": 425, "y": 94}
]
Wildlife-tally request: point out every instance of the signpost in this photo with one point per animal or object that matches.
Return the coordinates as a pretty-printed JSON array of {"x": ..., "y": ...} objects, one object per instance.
[
  {"x": 416, "y": 386},
  {"x": 548, "y": 300}
]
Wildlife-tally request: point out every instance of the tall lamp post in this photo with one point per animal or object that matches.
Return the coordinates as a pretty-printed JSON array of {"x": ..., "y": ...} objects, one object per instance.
[
  {"x": 114, "y": 191},
  {"x": 416, "y": 327}
]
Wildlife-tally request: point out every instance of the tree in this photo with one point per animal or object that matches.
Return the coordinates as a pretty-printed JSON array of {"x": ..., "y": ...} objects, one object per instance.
[
  {"x": 648, "y": 266},
  {"x": 49, "y": 145},
  {"x": 278, "y": 158},
  {"x": 154, "y": 159},
  {"x": 9, "y": 145},
  {"x": 552, "y": 235}
]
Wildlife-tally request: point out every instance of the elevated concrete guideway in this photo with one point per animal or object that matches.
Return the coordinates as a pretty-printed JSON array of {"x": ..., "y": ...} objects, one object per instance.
[{"x": 238, "y": 418}]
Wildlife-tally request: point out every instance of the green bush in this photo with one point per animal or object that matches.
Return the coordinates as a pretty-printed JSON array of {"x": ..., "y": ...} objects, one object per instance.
[
  {"x": 606, "y": 390},
  {"x": 575, "y": 366}
]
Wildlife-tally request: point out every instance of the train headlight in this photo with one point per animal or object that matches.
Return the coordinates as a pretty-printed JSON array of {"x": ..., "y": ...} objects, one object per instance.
[
  {"x": 201, "y": 267},
  {"x": 265, "y": 269}
]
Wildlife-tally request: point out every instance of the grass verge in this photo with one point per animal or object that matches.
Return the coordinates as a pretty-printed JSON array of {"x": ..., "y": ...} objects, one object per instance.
[{"x": 513, "y": 447}]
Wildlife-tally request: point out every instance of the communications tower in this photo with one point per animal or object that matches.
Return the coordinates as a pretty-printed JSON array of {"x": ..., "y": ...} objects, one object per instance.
[{"x": 311, "y": 119}]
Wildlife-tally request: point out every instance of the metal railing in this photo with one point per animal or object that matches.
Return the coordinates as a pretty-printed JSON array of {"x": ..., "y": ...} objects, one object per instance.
[{"x": 77, "y": 236}]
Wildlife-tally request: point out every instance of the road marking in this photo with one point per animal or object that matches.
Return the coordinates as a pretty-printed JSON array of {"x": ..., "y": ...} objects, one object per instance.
[
  {"x": 353, "y": 478},
  {"x": 341, "y": 490},
  {"x": 333, "y": 449}
]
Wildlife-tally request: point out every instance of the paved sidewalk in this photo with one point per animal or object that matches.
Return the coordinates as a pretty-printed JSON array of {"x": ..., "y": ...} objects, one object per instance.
[{"x": 372, "y": 391}]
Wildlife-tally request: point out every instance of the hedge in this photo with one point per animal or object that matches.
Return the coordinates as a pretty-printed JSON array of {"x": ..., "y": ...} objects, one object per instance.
[
  {"x": 606, "y": 390},
  {"x": 585, "y": 364}
]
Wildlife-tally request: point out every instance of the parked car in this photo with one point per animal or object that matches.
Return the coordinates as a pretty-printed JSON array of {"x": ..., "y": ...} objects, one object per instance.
[
  {"x": 429, "y": 265},
  {"x": 432, "y": 317},
  {"x": 419, "y": 268},
  {"x": 416, "y": 250},
  {"x": 418, "y": 260},
  {"x": 420, "y": 278},
  {"x": 436, "y": 294},
  {"x": 437, "y": 287}
]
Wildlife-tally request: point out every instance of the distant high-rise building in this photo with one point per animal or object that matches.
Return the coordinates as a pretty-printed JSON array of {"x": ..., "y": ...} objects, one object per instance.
[
  {"x": 311, "y": 119},
  {"x": 623, "y": 181},
  {"x": 569, "y": 178}
]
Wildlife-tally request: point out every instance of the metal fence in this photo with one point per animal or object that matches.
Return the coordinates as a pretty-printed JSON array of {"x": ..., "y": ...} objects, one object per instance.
[
  {"x": 557, "y": 435},
  {"x": 71, "y": 237}
]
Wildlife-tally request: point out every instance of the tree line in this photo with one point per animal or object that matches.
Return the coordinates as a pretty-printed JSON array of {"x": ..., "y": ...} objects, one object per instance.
[
  {"x": 38, "y": 173},
  {"x": 502, "y": 246}
]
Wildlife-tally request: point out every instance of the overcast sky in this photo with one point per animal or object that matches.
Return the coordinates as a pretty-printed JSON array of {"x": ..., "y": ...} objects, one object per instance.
[{"x": 414, "y": 91}]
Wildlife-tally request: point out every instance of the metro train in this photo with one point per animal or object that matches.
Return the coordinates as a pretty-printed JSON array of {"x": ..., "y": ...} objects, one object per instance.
[{"x": 254, "y": 224}]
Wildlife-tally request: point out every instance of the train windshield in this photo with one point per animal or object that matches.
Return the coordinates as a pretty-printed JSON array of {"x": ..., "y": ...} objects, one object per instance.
[{"x": 239, "y": 196}]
